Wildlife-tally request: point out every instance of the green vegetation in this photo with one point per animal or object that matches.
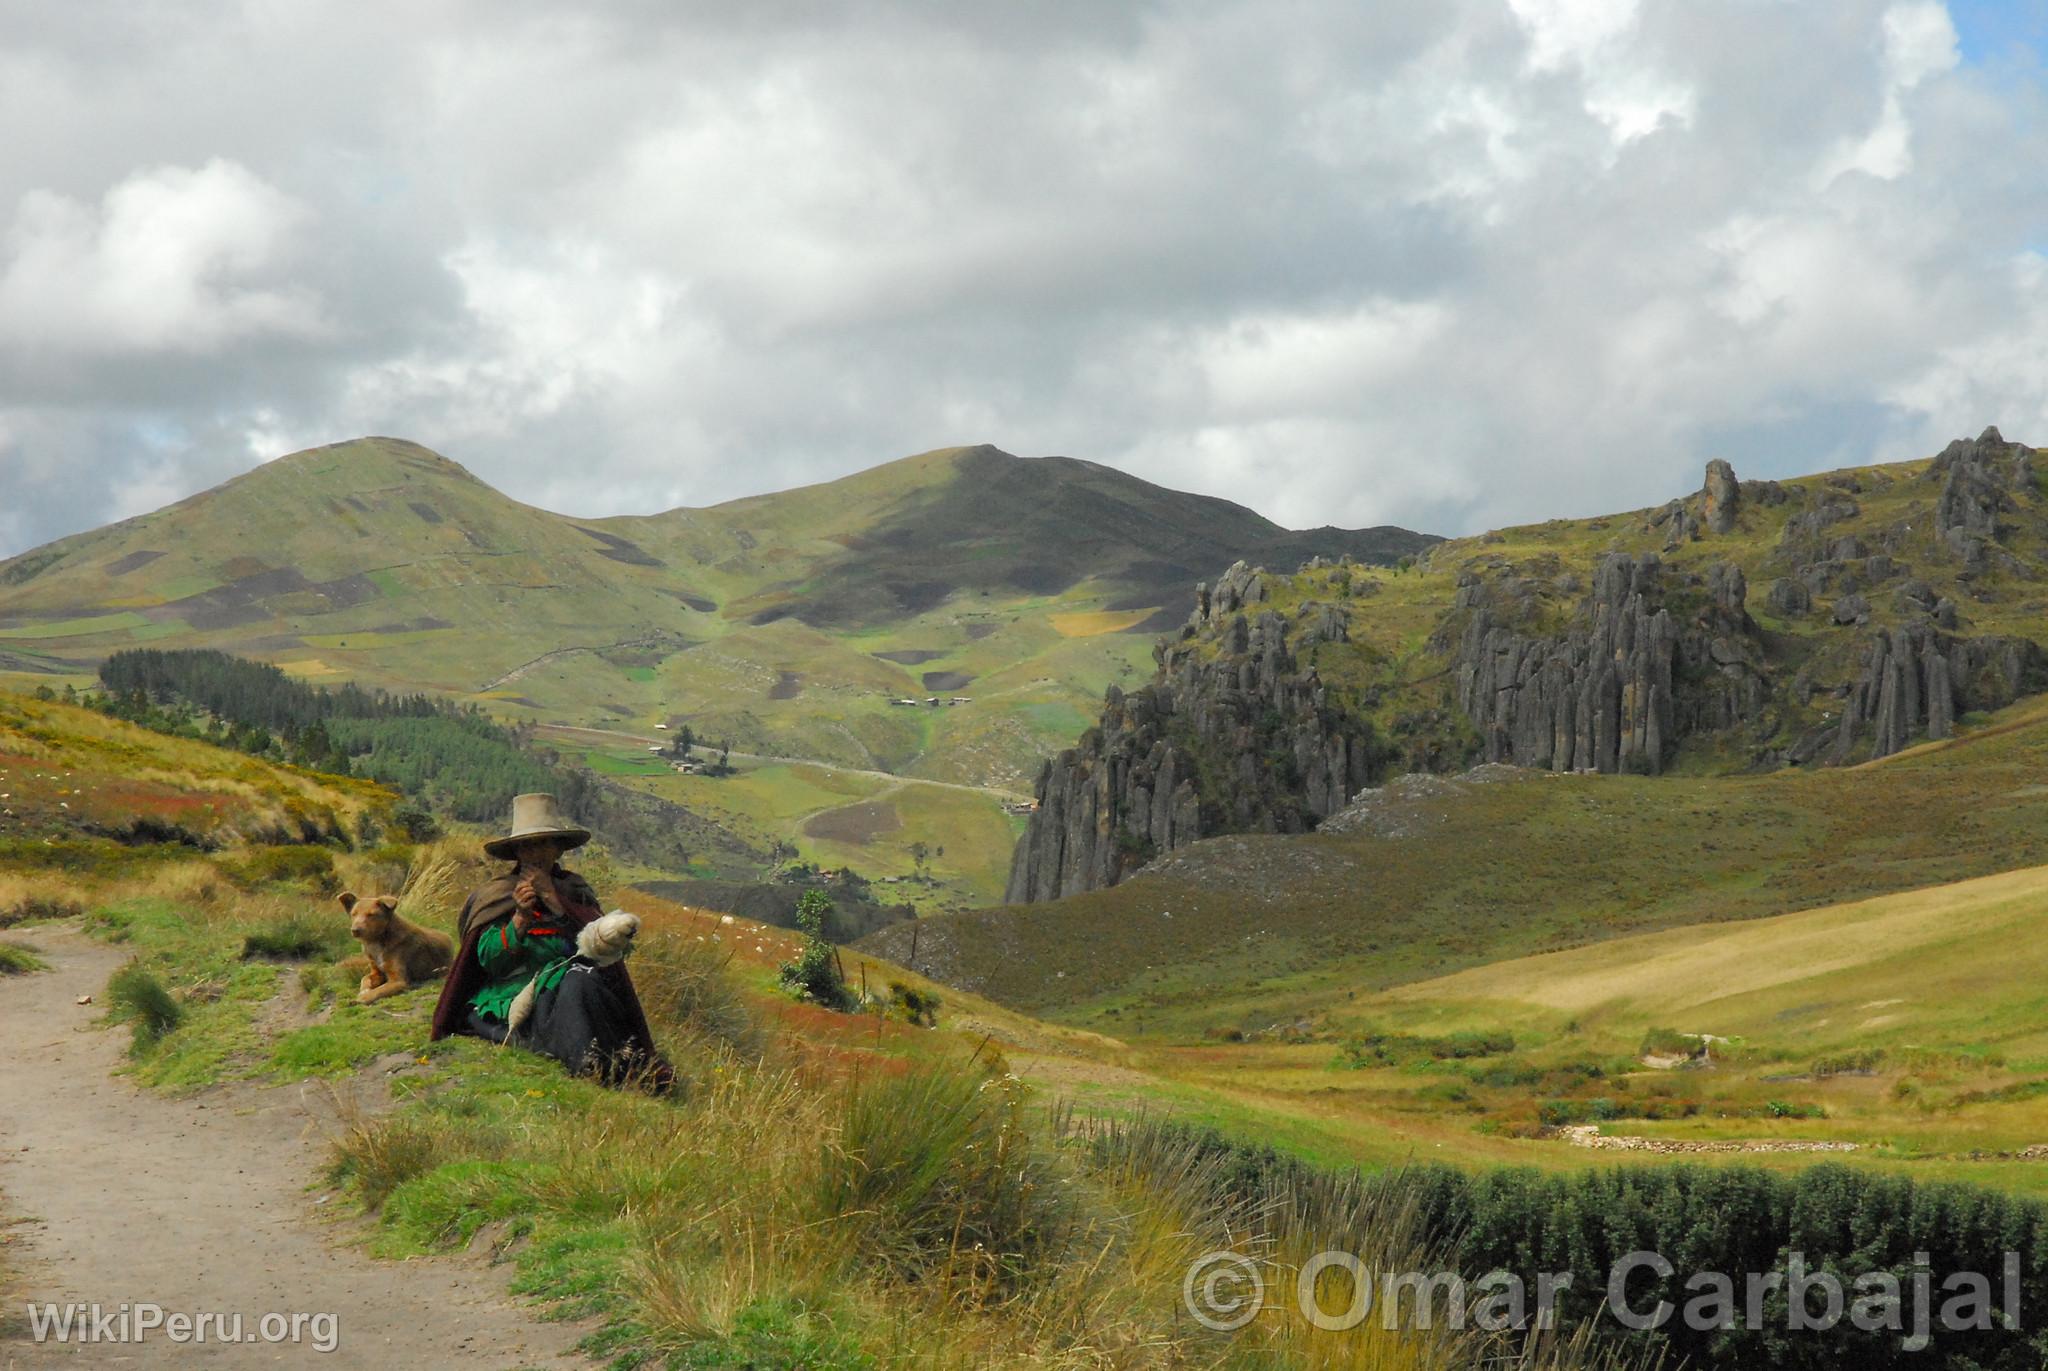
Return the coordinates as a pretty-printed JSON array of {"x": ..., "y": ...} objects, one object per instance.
[
  {"x": 16, "y": 960},
  {"x": 1732, "y": 1220},
  {"x": 1255, "y": 930},
  {"x": 137, "y": 998},
  {"x": 815, "y": 973}
]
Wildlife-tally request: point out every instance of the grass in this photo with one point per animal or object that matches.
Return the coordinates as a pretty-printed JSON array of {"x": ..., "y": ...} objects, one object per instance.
[
  {"x": 18, "y": 960},
  {"x": 137, "y": 998},
  {"x": 827, "y": 1190}
]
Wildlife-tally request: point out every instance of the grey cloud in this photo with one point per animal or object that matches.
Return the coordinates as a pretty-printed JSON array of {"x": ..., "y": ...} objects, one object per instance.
[{"x": 1447, "y": 264}]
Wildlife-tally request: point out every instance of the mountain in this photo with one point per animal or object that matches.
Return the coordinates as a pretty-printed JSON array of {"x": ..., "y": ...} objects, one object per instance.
[
  {"x": 1678, "y": 748},
  {"x": 787, "y": 623},
  {"x": 1898, "y": 600}
]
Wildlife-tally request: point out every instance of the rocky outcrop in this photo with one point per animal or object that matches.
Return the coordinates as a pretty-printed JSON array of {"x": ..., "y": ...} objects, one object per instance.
[
  {"x": 1914, "y": 680},
  {"x": 1978, "y": 478},
  {"x": 1722, "y": 497},
  {"x": 1619, "y": 690},
  {"x": 1232, "y": 735}
]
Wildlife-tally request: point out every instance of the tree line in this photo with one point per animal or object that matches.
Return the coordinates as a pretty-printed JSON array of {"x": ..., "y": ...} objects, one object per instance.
[{"x": 455, "y": 759}]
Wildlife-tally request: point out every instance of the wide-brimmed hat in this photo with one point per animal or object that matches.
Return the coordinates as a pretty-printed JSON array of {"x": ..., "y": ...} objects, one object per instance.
[{"x": 536, "y": 816}]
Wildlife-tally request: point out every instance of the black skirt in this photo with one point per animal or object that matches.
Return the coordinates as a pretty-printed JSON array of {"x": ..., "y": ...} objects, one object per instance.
[{"x": 585, "y": 1022}]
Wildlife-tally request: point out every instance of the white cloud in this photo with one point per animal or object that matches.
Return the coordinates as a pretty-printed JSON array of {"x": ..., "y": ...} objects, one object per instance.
[
  {"x": 173, "y": 259},
  {"x": 1444, "y": 262}
]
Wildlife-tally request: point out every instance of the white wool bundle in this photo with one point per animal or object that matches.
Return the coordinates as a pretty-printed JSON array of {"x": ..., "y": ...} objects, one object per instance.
[
  {"x": 608, "y": 939},
  {"x": 603, "y": 941}
]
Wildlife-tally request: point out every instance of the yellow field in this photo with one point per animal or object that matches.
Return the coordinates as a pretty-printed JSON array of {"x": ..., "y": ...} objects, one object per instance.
[{"x": 1095, "y": 623}]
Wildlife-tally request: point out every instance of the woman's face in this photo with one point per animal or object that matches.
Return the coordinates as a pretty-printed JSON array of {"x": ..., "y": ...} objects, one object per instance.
[{"x": 538, "y": 853}]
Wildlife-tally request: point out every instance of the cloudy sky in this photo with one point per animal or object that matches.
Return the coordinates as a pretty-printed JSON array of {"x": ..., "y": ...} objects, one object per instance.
[{"x": 1444, "y": 263}]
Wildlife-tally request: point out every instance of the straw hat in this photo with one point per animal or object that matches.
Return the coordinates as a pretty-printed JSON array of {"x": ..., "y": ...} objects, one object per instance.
[{"x": 536, "y": 816}]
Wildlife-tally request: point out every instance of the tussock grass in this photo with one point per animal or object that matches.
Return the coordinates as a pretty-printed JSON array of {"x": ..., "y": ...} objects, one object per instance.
[
  {"x": 137, "y": 998},
  {"x": 16, "y": 960},
  {"x": 298, "y": 935}
]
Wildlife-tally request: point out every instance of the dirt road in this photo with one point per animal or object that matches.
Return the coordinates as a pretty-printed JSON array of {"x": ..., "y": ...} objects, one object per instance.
[{"x": 200, "y": 1204}]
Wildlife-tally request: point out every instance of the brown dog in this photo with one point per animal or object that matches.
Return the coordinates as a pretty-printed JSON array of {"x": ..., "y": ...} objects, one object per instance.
[{"x": 402, "y": 954}]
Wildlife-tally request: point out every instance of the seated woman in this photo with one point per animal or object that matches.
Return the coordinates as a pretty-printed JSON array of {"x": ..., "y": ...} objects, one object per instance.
[{"x": 523, "y": 924}]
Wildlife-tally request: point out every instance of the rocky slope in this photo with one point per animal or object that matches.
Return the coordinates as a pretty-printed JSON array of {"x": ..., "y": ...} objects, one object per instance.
[
  {"x": 1897, "y": 600},
  {"x": 1234, "y": 735}
]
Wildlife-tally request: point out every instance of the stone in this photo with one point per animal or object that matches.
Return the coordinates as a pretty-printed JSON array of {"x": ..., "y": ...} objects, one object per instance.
[
  {"x": 1852, "y": 609},
  {"x": 1722, "y": 497},
  {"x": 1789, "y": 597},
  {"x": 1230, "y": 688},
  {"x": 1624, "y": 685}
]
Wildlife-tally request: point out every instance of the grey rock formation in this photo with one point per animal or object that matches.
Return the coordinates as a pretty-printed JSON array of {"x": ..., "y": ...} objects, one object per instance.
[
  {"x": 1232, "y": 735},
  {"x": 1790, "y": 597},
  {"x": 1618, "y": 690},
  {"x": 1852, "y": 609},
  {"x": 1978, "y": 478},
  {"x": 1722, "y": 497},
  {"x": 1914, "y": 680}
]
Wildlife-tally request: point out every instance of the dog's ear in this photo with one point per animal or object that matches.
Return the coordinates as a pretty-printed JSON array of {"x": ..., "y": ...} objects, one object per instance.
[
  {"x": 390, "y": 903},
  {"x": 348, "y": 901}
]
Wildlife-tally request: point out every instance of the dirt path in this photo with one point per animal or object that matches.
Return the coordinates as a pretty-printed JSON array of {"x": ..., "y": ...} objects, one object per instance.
[{"x": 199, "y": 1204}]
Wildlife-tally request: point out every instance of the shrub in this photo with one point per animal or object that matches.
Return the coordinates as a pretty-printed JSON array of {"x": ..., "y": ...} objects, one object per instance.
[
  {"x": 1669, "y": 1042},
  {"x": 137, "y": 998},
  {"x": 814, "y": 972},
  {"x": 920, "y": 1007},
  {"x": 416, "y": 823}
]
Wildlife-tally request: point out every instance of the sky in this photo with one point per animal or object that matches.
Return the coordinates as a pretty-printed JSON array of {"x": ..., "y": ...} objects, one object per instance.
[{"x": 1450, "y": 264}]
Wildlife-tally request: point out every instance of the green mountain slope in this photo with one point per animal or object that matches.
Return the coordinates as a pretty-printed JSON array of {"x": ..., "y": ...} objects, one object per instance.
[
  {"x": 788, "y": 623},
  {"x": 1750, "y": 644},
  {"x": 1430, "y": 875}
]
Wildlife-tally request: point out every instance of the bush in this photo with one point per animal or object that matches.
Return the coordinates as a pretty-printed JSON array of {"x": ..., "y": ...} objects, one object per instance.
[
  {"x": 920, "y": 1007},
  {"x": 137, "y": 998},
  {"x": 416, "y": 823},
  {"x": 814, "y": 973}
]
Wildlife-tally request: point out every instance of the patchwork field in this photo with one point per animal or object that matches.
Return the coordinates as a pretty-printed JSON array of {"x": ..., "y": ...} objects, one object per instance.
[{"x": 837, "y": 817}]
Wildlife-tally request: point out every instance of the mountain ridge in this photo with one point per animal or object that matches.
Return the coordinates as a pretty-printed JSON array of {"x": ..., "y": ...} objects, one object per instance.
[{"x": 787, "y": 622}]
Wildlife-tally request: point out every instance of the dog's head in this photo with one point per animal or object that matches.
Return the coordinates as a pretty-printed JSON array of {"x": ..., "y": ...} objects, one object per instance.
[
  {"x": 369, "y": 916},
  {"x": 608, "y": 938}
]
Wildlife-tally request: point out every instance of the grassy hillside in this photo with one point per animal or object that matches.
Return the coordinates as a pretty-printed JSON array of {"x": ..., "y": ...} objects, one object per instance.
[
  {"x": 80, "y": 790},
  {"x": 786, "y": 623},
  {"x": 843, "y": 1191},
  {"x": 1435, "y": 874}
]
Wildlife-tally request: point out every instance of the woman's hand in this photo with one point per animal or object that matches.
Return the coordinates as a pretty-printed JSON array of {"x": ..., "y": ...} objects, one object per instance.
[{"x": 525, "y": 904}]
